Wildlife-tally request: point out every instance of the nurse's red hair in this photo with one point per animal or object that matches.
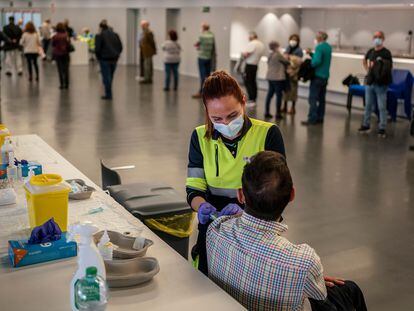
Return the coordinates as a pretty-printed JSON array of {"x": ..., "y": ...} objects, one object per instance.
[{"x": 219, "y": 84}]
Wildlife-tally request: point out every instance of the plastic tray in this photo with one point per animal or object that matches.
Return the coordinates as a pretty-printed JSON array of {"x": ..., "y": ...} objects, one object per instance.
[
  {"x": 130, "y": 272},
  {"x": 124, "y": 243},
  {"x": 84, "y": 195}
]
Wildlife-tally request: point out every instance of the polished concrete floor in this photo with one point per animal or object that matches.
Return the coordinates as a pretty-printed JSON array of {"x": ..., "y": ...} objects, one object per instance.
[{"x": 355, "y": 194}]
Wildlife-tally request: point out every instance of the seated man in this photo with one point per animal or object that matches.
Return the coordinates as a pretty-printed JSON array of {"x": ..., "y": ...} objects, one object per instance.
[{"x": 251, "y": 260}]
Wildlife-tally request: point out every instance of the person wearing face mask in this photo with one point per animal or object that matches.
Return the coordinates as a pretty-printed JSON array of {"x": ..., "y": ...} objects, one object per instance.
[
  {"x": 321, "y": 62},
  {"x": 218, "y": 152},
  {"x": 378, "y": 64},
  {"x": 294, "y": 54}
]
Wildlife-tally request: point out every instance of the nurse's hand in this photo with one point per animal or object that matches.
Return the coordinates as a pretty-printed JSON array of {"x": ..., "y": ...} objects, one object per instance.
[
  {"x": 231, "y": 209},
  {"x": 204, "y": 211}
]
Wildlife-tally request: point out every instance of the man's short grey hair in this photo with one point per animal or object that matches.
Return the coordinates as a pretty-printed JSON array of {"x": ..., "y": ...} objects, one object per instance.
[
  {"x": 253, "y": 34},
  {"x": 323, "y": 35},
  {"x": 274, "y": 45}
]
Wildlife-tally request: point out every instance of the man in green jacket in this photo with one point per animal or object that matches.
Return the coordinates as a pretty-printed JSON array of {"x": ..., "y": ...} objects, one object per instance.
[{"x": 321, "y": 62}]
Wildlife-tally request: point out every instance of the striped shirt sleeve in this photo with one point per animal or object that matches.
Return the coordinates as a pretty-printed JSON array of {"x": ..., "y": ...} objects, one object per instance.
[{"x": 315, "y": 284}]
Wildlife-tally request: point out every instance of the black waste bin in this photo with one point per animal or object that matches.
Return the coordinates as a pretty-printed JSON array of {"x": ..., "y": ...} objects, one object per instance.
[{"x": 161, "y": 209}]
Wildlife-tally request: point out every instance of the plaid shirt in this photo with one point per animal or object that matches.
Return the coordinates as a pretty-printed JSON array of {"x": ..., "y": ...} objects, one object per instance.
[{"x": 249, "y": 259}]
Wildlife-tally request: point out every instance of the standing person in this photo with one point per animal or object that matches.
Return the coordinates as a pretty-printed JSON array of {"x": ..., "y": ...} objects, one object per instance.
[
  {"x": 3, "y": 40},
  {"x": 276, "y": 76},
  {"x": 30, "y": 42},
  {"x": 46, "y": 34},
  {"x": 294, "y": 54},
  {"x": 172, "y": 59},
  {"x": 321, "y": 62},
  {"x": 89, "y": 38},
  {"x": 60, "y": 51},
  {"x": 108, "y": 48},
  {"x": 254, "y": 52},
  {"x": 378, "y": 64},
  {"x": 218, "y": 153},
  {"x": 69, "y": 30},
  {"x": 206, "y": 48},
  {"x": 13, "y": 59},
  {"x": 148, "y": 49}
]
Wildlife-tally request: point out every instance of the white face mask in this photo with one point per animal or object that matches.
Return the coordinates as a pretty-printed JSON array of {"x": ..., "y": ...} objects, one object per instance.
[
  {"x": 293, "y": 43},
  {"x": 377, "y": 41},
  {"x": 232, "y": 129}
]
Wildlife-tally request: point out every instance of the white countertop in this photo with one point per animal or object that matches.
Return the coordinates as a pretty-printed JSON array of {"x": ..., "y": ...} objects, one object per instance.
[{"x": 45, "y": 286}]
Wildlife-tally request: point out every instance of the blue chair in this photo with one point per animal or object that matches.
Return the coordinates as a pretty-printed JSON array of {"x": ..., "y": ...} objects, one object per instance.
[{"x": 401, "y": 88}]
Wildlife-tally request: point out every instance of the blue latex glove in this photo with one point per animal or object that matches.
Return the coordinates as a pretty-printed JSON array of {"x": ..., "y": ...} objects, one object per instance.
[
  {"x": 204, "y": 212},
  {"x": 47, "y": 232},
  {"x": 231, "y": 209}
]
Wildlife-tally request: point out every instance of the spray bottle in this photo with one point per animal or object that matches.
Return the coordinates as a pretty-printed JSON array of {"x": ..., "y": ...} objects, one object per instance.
[
  {"x": 88, "y": 255},
  {"x": 12, "y": 174},
  {"x": 5, "y": 150}
]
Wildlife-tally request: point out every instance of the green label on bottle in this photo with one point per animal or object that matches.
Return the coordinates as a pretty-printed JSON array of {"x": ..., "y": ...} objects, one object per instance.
[{"x": 86, "y": 291}]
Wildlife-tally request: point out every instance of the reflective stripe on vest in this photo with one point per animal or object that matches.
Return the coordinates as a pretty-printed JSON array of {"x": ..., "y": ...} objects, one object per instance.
[{"x": 222, "y": 172}]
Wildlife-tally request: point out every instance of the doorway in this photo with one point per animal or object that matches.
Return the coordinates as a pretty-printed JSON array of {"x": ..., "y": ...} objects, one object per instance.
[
  {"x": 133, "y": 36},
  {"x": 173, "y": 20}
]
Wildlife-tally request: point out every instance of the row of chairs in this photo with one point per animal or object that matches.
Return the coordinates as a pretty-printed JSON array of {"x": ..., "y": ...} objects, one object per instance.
[{"x": 400, "y": 89}]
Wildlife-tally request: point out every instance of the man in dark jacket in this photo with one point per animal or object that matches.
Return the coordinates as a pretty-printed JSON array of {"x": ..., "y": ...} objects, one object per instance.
[
  {"x": 3, "y": 40},
  {"x": 13, "y": 56},
  {"x": 108, "y": 48}
]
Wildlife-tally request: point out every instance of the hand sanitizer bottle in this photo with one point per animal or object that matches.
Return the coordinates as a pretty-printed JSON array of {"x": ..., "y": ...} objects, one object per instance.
[{"x": 12, "y": 175}]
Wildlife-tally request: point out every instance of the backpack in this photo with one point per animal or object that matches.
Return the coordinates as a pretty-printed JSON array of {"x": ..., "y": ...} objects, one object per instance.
[
  {"x": 306, "y": 71},
  {"x": 350, "y": 80},
  {"x": 380, "y": 72}
]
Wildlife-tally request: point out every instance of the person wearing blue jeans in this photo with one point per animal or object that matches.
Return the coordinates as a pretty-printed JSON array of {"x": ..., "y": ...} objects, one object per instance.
[
  {"x": 317, "y": 94},
  {"x": 108, "y": 48},
  {"x": 107, "y": 71},
  {"x": 277, "y": 88},
  {"x": 321, "y": 62},
  {"x": 172, "y": 58},
  {"x": 378, "y": 64},
  {"x": 171, "y": 68},
  {"x": 204, "y": 66}
]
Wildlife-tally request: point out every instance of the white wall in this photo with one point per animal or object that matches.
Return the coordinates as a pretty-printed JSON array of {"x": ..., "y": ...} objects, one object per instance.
[
  {"x": 356, "y": 26},
  {"x": 91, "y": 17},
  {"x": 189, "y": 22},
  {"x": 267, "y": 23}
]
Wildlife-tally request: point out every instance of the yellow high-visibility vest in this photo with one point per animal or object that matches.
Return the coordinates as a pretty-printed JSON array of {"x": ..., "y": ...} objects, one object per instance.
[{"x": 222, "y": 171}]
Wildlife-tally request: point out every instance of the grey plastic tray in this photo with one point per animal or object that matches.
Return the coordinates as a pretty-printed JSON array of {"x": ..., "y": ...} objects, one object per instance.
[
  {"x": 130, "y": 272},
  {"x": 81, "y": 195},
  {"x": 124, "y": 243}
]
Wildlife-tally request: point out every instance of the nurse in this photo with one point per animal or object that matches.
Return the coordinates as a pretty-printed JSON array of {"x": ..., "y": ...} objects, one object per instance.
[{"x": 218, "y": 152}]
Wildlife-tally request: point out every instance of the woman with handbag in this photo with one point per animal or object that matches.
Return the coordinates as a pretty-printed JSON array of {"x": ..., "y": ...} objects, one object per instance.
[
  {"x": 30, "y": 42},
  {"x": 61, "y": 49},
  {"x": 276, "y": 76}
]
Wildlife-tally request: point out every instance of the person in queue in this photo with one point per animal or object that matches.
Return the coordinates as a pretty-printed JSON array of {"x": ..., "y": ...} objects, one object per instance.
[
  {"x": 294, "y": 54},
  {"x": 218, "y": 152},
  {"x": 281, "y": 275},
  {"x": 321, "y": 63},
  {"x": 378, "y": 64}
]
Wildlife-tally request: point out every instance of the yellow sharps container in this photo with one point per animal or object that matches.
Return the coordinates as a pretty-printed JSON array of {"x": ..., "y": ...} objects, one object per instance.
[
  {"x": 4, "y": 132},
  {"x": 47, "y": 196}
]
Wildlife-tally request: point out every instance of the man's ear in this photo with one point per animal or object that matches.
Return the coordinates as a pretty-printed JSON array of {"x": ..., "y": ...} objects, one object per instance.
[
  {"x": 240, "y": 196},
  {"x": 292, "y": 194}
]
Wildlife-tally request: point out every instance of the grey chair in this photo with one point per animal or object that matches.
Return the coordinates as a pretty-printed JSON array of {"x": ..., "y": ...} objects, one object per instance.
[{"x": 147, "y": 200}]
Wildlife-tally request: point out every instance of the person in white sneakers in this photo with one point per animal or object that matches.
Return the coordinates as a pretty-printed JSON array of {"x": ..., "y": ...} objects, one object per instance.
[{"x": 253, "y": 53}]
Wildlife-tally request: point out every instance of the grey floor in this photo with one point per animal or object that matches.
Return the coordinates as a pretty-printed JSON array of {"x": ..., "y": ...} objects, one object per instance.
[{"x": 354, "y": 194}]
